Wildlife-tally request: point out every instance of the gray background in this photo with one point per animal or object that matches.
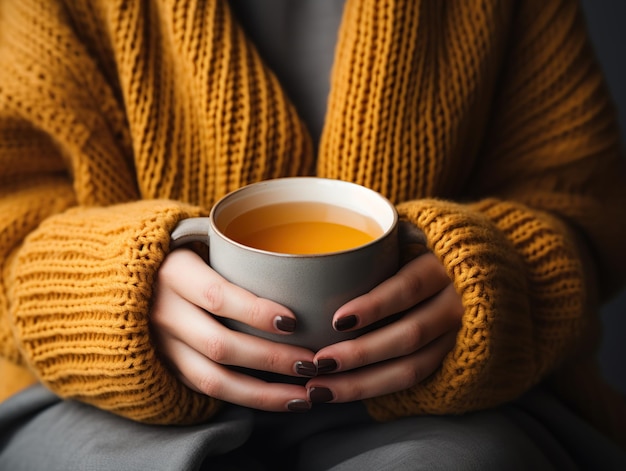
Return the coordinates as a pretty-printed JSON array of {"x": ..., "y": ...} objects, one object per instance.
[{"x": 606, "y": 20}]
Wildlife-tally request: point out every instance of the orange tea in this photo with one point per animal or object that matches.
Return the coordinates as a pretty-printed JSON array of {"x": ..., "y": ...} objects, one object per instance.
[{"x": 302, "y": 228}]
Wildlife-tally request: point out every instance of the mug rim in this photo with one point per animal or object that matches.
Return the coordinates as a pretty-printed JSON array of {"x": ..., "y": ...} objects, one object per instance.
[{"x": 388, "y": 231}]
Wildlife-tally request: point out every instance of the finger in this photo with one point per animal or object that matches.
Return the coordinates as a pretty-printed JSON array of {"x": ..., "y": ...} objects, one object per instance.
[
  {"x": 217, "y": 381},
  {"x": 419, "y": 327},
  {"x": 189, "y": 276},
  {"x": 382, "y": 378},
  {"x": 417, "y": 280},
  {"x": 202, "y": 332}
]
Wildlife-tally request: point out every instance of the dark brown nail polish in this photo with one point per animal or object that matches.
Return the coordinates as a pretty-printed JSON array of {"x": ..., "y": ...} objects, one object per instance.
[
  {"x": 326, "y": 365},
  {"x": 306, "y": 368},
  {"x": 286, "y": 324},
  {"x": 319, "y": 395},
  {"x": 298, "y": 405},
  {"x": 345, "y": 323}
]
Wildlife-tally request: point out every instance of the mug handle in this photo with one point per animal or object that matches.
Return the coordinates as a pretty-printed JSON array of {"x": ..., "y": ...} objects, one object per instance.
[{"x": 190, "y": 230}]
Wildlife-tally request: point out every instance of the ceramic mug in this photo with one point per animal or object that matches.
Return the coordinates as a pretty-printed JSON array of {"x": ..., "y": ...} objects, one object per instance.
[{"x": 312, "y": 285}]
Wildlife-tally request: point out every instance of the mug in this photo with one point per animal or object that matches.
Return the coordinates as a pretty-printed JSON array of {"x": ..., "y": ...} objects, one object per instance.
[{"x": 312, "y": 273}]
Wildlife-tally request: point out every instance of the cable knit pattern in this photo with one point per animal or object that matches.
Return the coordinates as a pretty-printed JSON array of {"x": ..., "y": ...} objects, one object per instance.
[{"x": 117, "y": 119}]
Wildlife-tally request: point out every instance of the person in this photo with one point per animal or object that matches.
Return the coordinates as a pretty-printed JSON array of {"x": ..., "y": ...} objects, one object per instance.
[{"x": 487, "y": 124}]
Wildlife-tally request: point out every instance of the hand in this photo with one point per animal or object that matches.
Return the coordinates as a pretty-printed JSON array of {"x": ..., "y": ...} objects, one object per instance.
[
  {"x": 199, "y": 348},
  {"x": 400, "y": 354}
]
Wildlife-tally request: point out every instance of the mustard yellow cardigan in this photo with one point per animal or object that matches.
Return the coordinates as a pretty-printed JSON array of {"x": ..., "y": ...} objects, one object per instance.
[{"x": 486, "y": 122}]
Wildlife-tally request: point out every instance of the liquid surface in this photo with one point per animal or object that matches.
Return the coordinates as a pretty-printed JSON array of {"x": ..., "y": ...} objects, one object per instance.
[{"x": 302, "y": 228}]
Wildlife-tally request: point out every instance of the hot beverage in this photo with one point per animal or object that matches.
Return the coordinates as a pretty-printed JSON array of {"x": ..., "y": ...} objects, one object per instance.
[{"x": 302, "y": 228}]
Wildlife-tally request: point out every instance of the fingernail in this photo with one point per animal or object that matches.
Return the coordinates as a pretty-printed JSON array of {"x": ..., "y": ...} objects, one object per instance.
[
  {"x": 326, "y": 365},
  {"x": 345, "y": 323},
  {"x": 286, "y": 324},
  {"x": 319, "y": 395},
  {"x": 306, "y": 368},
  {"x": 298, "y": 405}
]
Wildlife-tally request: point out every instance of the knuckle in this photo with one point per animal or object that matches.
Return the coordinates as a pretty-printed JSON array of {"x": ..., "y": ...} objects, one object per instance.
[
  {"x": 377, "y": 305},
  {"x": 263, "y": 399},
  {"x": 355, "y": 392},
  {"x": 411, "y": 284},
  {"x": 255, "y": 312},
  {"x": 170, "y": 268},
  {"x": 211, "y": 386},
  {"x": 166, "y": 270},
  {"x": 360, "y": 354},
  {"x": 408, "y": 378},
  {"x": 273, "y": 361},
  {"x": 411, "y": 376},
  {"x": 214, "y": 297},
  {"x": 413, "y": 336},
  {"x": 407, "y": 374},
  {"x": 216, "y": 349}
]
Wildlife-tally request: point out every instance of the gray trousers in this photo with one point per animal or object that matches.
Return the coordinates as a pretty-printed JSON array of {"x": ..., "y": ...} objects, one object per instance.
[{"x": 40, "y": 432}]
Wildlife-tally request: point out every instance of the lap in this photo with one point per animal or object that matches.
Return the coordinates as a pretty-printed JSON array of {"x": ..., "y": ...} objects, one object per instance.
[
  {"x": 38, "y": 431},
  {"x": 481, "y": 441},
  {"x": 345, "y": 438}
]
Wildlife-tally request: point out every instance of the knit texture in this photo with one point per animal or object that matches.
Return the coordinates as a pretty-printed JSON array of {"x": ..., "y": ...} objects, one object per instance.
[{"x": 487, "y": 122}]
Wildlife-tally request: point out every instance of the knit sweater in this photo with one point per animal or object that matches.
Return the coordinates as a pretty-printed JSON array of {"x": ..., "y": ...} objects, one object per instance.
[{"x": 487, "y": 123}]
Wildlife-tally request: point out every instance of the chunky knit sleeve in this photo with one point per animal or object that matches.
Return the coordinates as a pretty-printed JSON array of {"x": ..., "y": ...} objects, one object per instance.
[
  {"x": 549, "y": 175},
  {"x": 522, "y": 285},
  {"x": 90, "y": 339}
]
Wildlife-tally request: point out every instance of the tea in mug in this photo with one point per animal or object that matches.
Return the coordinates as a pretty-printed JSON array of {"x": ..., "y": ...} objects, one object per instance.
[{"x": 302, "y": 228}]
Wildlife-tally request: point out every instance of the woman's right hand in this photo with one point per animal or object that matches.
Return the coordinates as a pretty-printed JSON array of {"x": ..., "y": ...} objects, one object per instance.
[{"x": 200, "y": 349}]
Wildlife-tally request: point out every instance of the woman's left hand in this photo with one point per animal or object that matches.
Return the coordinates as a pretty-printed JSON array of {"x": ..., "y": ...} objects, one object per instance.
[{"x": 400, "y": 354}]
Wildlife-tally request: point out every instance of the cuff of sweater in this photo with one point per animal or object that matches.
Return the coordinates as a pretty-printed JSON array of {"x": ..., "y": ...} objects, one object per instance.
[
  {"x": 82, "y": 288},
  {"x": 494, "y": 359}
]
